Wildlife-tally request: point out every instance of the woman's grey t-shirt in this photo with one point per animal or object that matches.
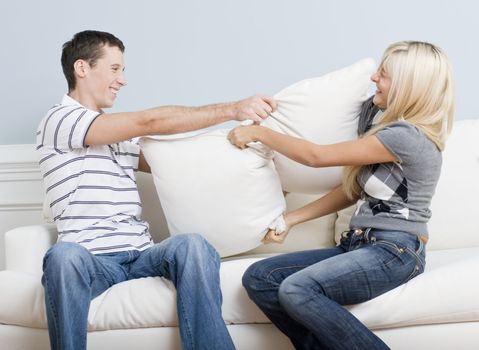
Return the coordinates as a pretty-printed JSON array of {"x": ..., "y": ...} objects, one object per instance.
[{"x": 397, "y": 195}]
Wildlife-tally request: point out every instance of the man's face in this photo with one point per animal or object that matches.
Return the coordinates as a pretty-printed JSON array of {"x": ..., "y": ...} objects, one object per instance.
[{"x": 105, "y": 78}]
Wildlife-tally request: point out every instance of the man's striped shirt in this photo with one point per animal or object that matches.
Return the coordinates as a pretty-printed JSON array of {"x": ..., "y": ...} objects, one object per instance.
[{"x": 91, "y": 190}]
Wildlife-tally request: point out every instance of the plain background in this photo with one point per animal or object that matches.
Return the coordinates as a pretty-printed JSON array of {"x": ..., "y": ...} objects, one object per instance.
[{"x": 200, "y": 52}]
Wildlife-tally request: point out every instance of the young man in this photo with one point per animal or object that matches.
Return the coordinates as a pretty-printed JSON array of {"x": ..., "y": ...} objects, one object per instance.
[{"x": 88, "y": 160}]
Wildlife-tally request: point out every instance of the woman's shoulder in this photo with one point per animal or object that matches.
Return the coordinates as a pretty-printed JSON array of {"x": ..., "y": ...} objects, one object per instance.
[
  {"x": 401, "y": 129},
  {"x": 408, "y": 142}
]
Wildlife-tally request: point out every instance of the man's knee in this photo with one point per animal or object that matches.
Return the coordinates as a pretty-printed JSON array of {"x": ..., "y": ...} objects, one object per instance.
[
  {"x": 193, "y": 246},
  {"x": 64, "y": 254}
]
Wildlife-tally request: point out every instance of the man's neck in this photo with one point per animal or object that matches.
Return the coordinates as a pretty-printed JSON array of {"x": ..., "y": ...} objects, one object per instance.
[{"x": 84, "y": 99}]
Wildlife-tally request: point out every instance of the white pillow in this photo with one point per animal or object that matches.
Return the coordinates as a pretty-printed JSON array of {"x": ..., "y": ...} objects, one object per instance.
[
  {"x": 454, "y": 206},
  {"x": 323, "y": 110},
  {"x": 208, "y": 186}
]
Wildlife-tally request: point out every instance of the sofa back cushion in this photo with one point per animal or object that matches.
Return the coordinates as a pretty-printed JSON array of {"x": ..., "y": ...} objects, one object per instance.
[
  {"x": 208, "y": 186},
  {"x": 323, "y": 110},
  {"x": 454, "y": 205}
]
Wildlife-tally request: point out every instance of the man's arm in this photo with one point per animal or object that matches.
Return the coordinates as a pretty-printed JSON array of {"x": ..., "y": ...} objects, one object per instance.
[{"x": 116, "y": 127}]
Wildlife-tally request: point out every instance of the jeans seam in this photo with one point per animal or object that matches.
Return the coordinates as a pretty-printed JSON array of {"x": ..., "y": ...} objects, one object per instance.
[
  {"x": 282, "y": 268},
  {"x": 54, "y": 311},
  {"x": 416, "y": 257},
  {"x": 413, "y": 274},
  {"x": 391, "y": 245},
  {"x": 185, "y": 325},
  {"x": 414, "y": 253}
]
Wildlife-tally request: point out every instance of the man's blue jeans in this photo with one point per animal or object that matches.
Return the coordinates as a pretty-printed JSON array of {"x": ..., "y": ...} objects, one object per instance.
[
  {"x": 72, "y": 276},
  {"x": 302, "y": 293}
]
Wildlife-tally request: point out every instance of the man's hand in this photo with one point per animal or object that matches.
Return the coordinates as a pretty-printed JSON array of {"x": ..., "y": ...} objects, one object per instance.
[{"x": 255, "y": 108}]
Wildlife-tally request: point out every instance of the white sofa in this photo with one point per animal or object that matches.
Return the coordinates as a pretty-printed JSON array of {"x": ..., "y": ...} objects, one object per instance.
[{"x": 437, "y": 310}]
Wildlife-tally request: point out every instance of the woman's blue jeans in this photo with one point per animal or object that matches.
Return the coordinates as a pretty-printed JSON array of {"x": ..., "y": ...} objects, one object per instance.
[
  {"x": 302, "y": 293},
  {"x": 72, "y": 276}
]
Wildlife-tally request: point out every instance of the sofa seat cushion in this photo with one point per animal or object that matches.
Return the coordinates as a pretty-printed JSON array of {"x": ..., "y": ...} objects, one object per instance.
[{"x": 446, "y": 292}]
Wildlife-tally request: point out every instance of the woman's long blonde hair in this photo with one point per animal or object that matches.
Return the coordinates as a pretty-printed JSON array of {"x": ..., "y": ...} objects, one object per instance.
[{"x": 421, "y": 93}]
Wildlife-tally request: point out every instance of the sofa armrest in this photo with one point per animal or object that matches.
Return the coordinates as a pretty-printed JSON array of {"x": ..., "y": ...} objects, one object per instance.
[{"x": 25, "y": 247}]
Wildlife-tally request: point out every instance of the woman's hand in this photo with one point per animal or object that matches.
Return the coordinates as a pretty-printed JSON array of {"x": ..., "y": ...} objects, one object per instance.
[
  {"x": 276, "y": 237},
  {"x": 242, "y": 135}
]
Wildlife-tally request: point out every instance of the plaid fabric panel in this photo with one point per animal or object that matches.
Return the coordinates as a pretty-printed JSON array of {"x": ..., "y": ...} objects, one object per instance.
[{"x": 385, "y": 190}]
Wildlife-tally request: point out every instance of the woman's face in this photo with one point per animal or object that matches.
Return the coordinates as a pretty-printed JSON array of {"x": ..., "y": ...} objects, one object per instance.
[{"x": 383, "y": 83}]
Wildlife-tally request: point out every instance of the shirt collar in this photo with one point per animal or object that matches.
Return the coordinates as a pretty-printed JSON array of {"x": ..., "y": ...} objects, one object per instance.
[{"x": 69, "y": 101}]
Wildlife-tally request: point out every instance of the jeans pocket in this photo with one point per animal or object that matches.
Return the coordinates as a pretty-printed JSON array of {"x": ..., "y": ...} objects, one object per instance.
[
  {"x": 392, "y": 251},
  {"x": 409, "y": 260}
]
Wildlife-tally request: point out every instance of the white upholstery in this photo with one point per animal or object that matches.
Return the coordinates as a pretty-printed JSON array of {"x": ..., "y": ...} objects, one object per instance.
[
  {"x": 436, "y": 310},
  {"x": 454, "y": 206},
  {"x": 28, "y": 257},
  {"x": 151, "y": 302}
]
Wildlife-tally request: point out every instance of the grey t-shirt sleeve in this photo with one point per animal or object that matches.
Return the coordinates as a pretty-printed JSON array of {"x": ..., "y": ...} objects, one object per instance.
[{"x": 403, "y": 140}]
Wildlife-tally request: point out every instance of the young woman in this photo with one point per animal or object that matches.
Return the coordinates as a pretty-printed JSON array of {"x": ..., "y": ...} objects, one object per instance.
[{"x": 391, "y": 173}]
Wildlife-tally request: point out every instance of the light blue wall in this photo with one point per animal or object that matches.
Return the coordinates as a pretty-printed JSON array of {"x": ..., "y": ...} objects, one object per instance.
[{"x": 198, "y": 52}]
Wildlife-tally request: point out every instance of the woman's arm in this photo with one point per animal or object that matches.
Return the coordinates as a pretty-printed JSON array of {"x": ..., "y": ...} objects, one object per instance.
[
  {"x": 330, "y": 203},
  {"x": 367, "y": 150}
]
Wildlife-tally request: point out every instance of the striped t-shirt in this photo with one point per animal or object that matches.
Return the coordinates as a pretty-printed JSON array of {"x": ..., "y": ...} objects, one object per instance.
[{"x": 91, "y": 190}]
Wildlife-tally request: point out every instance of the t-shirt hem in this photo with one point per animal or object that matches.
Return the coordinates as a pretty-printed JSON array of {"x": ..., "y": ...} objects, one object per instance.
[{"x": 413, "y": 227}]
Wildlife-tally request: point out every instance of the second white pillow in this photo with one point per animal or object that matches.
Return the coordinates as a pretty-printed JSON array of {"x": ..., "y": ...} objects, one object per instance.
[{"x": 322, "y": 110}]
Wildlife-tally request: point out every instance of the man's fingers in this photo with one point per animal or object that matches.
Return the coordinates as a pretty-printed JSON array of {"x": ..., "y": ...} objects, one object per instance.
[
  {"x": 255, "y": 117},
  {"x": 262, "y": 113},
  {"x": 270, "y": 101}
]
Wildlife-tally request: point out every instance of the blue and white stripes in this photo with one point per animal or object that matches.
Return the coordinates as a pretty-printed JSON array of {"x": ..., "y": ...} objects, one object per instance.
[{"x": 91, "y": 190}]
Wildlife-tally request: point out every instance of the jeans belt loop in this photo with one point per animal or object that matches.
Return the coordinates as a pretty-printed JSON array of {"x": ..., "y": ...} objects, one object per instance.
[{"x": 366, "y": 234}]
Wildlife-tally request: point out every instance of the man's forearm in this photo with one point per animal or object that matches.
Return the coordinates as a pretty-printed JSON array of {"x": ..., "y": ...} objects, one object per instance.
[{"x": 175, "y": 119}]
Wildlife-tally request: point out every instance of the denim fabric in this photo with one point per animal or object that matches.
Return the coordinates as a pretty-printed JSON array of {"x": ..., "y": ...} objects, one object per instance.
[
  {"x": 302, "y": 293},
  {"x": 72, "y": 276}
]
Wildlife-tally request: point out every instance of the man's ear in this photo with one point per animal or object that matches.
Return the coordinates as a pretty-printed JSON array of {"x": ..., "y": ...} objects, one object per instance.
[{"x": 80, "y": 67}]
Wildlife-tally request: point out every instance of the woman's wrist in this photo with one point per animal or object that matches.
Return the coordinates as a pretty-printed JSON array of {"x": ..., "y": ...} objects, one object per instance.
[
  {"x": 259, "y": 133},
  {"x": 289, "y": 219}
]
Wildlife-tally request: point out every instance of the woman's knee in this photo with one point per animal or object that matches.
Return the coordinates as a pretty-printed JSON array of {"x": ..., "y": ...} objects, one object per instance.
[
  {"x": 255, "y": 277},
  {"x": 293, "y": 292}
]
